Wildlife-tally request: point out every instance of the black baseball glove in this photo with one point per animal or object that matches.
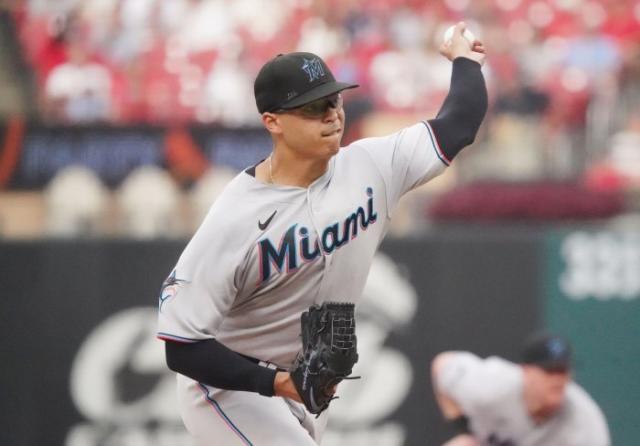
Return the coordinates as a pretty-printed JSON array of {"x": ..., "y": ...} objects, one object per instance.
[{"x": 329, "y": 352}]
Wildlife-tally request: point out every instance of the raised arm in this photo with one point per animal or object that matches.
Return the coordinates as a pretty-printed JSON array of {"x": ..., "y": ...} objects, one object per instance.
[{"x": 457, "y": 123}]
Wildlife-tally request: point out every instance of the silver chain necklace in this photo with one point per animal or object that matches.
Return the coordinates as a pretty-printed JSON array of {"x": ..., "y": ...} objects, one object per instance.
[{"x": 271, "y": 171}]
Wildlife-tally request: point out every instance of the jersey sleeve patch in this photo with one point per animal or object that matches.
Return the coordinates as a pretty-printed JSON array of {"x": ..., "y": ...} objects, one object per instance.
[{"x": 170, "y": 288}]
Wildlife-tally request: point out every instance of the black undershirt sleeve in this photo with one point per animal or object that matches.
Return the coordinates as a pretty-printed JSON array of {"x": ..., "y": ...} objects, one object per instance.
[
  {"x": 209, "y": 362},
  {"x": 461, "y": 114}
]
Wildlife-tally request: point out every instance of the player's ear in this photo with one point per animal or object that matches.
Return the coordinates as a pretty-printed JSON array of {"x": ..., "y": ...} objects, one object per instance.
[{"x": 271, "y": 122}]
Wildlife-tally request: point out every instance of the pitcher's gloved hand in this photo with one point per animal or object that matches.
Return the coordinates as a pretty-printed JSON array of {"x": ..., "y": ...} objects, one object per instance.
[{"x": 329, "y": 352}]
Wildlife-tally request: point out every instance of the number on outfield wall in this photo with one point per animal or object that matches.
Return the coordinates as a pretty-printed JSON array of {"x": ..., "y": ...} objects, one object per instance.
[{"x": 603, "y": 266}]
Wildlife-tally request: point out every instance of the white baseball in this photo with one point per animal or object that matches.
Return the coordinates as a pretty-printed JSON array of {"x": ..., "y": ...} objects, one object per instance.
[{"x": 448, "y": 34}]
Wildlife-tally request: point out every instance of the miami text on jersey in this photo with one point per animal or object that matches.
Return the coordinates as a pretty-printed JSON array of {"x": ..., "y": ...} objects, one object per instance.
[{"x": 295, "y": 247}]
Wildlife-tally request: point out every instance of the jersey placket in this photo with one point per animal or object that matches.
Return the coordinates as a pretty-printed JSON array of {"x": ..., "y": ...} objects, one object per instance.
[{"x": 327, "y": 258}]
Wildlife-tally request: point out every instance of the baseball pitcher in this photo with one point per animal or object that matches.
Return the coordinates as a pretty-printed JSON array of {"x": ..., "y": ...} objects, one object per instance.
[{"x": 258, "y": 314}]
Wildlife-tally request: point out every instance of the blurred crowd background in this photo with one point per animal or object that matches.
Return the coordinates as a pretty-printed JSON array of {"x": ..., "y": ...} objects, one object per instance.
[{"x": 561, "y": 141}]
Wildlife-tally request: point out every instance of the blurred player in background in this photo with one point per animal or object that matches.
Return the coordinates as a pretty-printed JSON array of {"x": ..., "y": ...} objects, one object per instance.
[
  {"x": 299, "y": 228},
  {"x": 495, "y": 402}
]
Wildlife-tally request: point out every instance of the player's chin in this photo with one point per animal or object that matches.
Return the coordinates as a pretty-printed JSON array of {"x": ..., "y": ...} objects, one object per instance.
[
  {"x": 333, "y": 148},
  {"x": 332, "y": 140}
]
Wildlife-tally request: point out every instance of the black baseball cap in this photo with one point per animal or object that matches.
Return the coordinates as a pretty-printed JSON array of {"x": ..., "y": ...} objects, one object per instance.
[
  {"x": 290, "y": 80},
  {"x": 548, "y": 351}
]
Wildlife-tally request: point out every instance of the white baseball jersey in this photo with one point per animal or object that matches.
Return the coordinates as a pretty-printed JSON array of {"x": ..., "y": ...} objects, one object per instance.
[
  {"x": 489, "y": 392},
  {"x": 264, "y": 254}
]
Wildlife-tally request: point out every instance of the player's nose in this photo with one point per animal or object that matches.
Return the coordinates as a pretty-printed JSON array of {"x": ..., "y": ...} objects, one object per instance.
[{"x": 331, "y": 114}]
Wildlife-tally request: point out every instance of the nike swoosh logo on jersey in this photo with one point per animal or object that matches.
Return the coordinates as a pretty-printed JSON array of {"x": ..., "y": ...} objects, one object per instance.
[{"x": 264, "y": 225}]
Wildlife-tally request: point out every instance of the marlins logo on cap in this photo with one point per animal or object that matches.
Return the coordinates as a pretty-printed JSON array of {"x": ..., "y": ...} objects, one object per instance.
[
  {"x": 313, "y": 68},
  {"x": 547, "y": 350}
]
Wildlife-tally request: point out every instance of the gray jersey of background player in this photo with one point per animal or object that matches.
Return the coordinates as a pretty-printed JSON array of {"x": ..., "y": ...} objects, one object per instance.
[
  {"x": 299, "y": 228},
  {"x": 496, "y": 402}
]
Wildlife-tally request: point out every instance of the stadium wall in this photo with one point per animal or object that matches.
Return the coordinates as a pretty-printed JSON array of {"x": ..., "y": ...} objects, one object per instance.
[{"x": 81, "y": 365}]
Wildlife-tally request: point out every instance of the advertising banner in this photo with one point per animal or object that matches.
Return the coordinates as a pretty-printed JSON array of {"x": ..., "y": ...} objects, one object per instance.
[{"x": 39, "y": 152}]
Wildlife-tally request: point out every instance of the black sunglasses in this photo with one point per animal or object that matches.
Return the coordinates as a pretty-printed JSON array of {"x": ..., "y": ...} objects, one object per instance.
[{"x": 316, "y": 109}]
